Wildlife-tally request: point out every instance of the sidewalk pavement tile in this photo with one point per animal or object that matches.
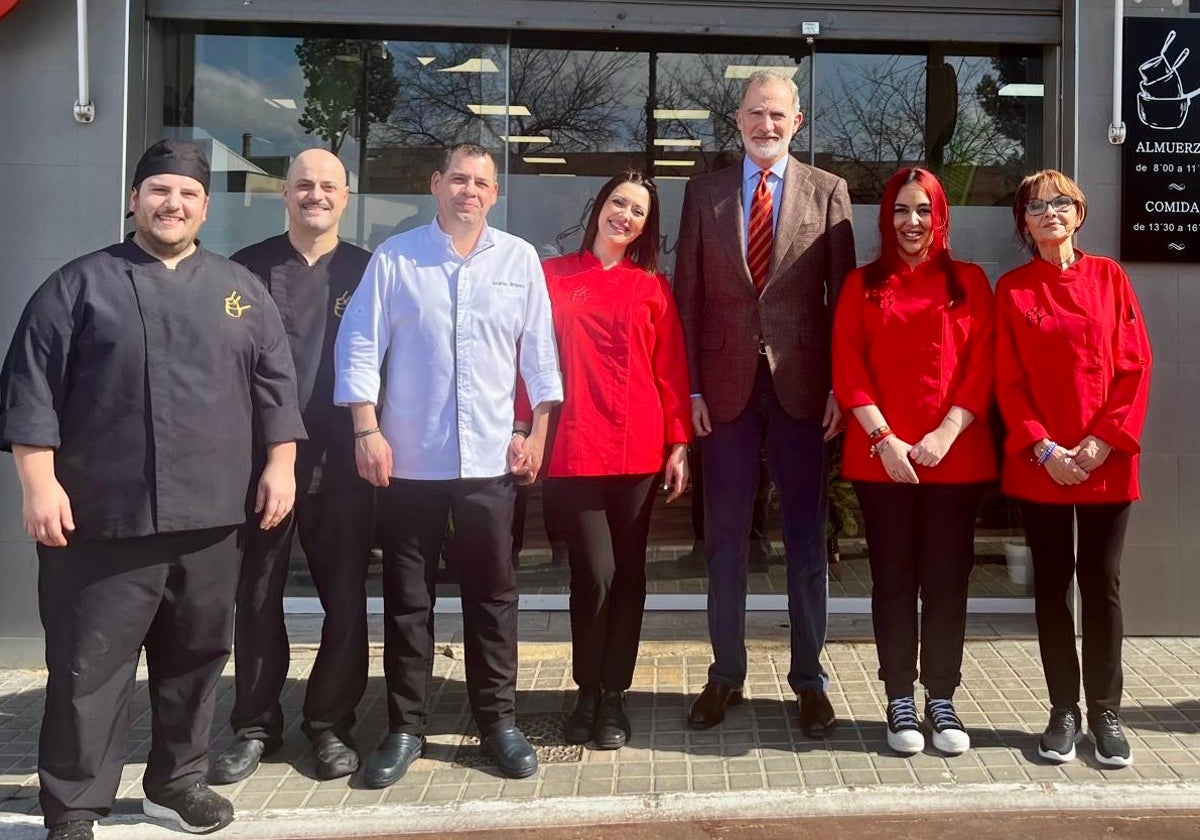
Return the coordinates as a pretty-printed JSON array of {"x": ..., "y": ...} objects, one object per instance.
[{"x": 758, "y": 747}]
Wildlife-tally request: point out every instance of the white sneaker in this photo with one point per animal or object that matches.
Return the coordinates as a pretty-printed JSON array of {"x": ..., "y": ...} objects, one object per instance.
[
  {"x": 945, "y": 729},
  {"x": 903, "y": 729}
]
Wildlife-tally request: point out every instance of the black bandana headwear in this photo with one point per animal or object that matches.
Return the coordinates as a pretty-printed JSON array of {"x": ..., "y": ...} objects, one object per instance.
[{"x": 173, "y": 157}]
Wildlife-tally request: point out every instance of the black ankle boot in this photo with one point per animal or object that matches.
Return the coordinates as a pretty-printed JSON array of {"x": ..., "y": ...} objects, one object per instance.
[
  {"x": 612, "y": 723},
  {"x": 577, "y": 729}
]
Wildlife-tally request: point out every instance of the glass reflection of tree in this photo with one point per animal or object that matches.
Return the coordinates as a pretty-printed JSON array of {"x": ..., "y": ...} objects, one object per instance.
[
  {"x": 348, "y": 84},
  {"x": 874, "y": 117},
  {"x": 579, "y": 99}
]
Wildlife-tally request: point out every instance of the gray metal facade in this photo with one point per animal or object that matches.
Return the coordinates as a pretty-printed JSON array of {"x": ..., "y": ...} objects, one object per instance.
[{"x": 67, "y": 184}]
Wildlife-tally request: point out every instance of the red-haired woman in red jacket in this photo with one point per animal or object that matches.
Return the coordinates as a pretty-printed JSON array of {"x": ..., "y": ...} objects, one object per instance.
[
  {"x": 1072, "y": 381},
  {"x": 912, "y": 360},
  {"x": 625, "y": 417}
]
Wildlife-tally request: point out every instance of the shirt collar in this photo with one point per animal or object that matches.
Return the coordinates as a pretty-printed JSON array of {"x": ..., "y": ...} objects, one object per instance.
[
  {"x": 134, "y": 253},
  {"x": 751, "y": 170},
  {"x": 296, "y": 256},
  {"x": 444, "y": 240}
]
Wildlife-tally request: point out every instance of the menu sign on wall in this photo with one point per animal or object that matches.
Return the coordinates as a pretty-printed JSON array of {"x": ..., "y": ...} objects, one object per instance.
[{"x": 1160, "y": 207}]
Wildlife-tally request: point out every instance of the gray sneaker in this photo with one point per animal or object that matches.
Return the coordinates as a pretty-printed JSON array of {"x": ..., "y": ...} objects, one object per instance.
[
  {"x": 198, "y": 810},
  {"x": 1112, "y": 749},
  {"x": 1063, "y": 732}
]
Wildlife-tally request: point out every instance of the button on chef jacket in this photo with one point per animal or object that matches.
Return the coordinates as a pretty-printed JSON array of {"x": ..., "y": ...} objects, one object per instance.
[
  {"x": 1072, "y": 359},
  {"x": 312, "y": 300},
  {"x": 452, "y": 325},
  {"x": 148, "y": 383}
]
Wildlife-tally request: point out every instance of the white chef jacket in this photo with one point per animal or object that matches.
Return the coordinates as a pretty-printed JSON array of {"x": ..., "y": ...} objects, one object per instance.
[{"x": 456, "y": 328}]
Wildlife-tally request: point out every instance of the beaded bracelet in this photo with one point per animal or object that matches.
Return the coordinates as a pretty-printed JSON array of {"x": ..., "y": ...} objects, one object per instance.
[
  {"x": 877, "y": 446},
  {"x": 1046, "y": 453}
]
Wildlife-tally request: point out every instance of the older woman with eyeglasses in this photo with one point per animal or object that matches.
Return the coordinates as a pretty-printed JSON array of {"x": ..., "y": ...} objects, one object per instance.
[{"x": 1072, "y": 382}]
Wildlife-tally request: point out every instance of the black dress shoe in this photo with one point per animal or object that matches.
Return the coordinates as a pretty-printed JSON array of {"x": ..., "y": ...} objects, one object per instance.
[
  {"x": 335, "y": 757},
  {"x": 238, "y": 761},
  {"x": 512, "y": 752},
  {"x": 612, "y": 722},
  {"x": 578, "y": 727},
  {"x": 817, "y": 719},
  {"x": 709, "y": 708},
  {"x": 391, "y": 759}
]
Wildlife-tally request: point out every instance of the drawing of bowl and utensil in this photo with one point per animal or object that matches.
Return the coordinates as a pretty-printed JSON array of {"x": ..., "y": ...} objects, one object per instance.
[{"x": 1161, "y": 102}]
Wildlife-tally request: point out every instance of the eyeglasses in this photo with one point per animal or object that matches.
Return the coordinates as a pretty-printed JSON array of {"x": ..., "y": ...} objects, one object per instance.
[{"x": 1037, "y": 206}]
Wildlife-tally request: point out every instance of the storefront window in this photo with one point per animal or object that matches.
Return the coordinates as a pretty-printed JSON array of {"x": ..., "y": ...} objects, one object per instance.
[{"x": 560, "y": 122}]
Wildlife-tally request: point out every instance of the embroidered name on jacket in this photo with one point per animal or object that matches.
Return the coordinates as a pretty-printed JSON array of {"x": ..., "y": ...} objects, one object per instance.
[
  {"x": 884, "y": 297},
  {"x": 234, "y": 306}
]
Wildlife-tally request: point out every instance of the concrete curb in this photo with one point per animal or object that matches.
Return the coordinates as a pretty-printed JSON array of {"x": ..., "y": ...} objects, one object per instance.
[{"x": 667, "y": 807}]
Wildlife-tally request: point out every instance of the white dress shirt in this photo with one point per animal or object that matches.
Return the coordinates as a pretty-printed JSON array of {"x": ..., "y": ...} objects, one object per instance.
[
  {"x": 455, "y": 327},
  {"x": 751, "y": 173}
]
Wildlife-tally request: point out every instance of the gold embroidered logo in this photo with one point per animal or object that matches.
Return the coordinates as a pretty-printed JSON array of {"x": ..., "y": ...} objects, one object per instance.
[
  {"x": 339, "y": 305},
  {"x": 234, "y": 306}
]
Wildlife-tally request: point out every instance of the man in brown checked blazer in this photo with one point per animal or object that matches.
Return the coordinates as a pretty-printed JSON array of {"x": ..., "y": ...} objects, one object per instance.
[{"x": 763, "y": 249}]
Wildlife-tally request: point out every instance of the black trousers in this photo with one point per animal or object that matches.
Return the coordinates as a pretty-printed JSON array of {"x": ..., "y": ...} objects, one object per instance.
[
  {"x": 413, "y": 521},
  {"x": 101, "y": 602},
  {"x": 1097, "y": 566},
  {"x": 335, "y": 532},
  {"x": 921, "y": 541},
  {"x": 607, "y": 523},
  {"x": 551, "y": 519}
]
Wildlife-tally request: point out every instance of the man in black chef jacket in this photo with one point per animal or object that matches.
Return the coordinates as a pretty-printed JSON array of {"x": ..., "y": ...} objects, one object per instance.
[
  {"x": 311, "y": 274},
  {"x": 129, "y": 396}
]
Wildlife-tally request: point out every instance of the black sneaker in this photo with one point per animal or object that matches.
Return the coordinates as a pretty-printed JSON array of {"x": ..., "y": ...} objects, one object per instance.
[
  {"x": 946, "y": 730},
  {"x": 199, "y": 809},
  {"x": 903, "y": 729},
  {"x": 1063, "y": 732},
  {"x": 1112, "y": 750},
  {"x": 74, "y": 830}
]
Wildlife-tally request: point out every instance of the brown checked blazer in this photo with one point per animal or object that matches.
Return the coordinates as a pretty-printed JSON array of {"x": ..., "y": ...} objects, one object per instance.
[{"x": 724, "y": 318}]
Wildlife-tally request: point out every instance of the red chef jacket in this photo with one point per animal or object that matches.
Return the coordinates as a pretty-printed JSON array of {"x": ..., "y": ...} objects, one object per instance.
[
  {"x": 1072, "y": 359},
  {"x": 625, "y": 379},
  {"x": 905, "y": 349}
]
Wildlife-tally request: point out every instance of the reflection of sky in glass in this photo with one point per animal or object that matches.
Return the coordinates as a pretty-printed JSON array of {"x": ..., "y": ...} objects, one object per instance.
[
  {"x": 868, "y": 103},
  {"x": 235, "y": 76},
  {"x": 871, "y": 117}
]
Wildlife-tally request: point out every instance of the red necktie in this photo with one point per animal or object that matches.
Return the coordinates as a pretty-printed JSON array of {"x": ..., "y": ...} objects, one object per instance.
[{"x": 762, "y": 234}]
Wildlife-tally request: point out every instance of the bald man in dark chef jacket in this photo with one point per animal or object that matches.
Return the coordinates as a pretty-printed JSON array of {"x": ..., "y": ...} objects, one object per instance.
[
  {"x": 311, "y": 274},
  {"x": 136, "y": 381}
]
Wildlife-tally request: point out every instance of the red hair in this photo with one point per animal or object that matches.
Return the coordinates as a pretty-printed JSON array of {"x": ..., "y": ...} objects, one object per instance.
[{"x": 889, "y": 262}]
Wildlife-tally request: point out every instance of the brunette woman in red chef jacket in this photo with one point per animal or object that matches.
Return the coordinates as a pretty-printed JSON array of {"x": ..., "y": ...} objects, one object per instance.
[
  {"x": 912, "y": 360},
  {"x": 1072, "y": 380},
  {"x": 625, "y": 417}
]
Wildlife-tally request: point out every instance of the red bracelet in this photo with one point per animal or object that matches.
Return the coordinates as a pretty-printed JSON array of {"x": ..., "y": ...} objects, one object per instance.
[
  {"x": 877, "y": 446},
  {"x": 880, "y": 433}
]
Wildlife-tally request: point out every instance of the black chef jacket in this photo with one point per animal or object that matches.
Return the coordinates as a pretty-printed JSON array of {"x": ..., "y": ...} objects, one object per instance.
[
  {"x": 149, "y": 383},
  {"x": 311, "y": 300}
]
